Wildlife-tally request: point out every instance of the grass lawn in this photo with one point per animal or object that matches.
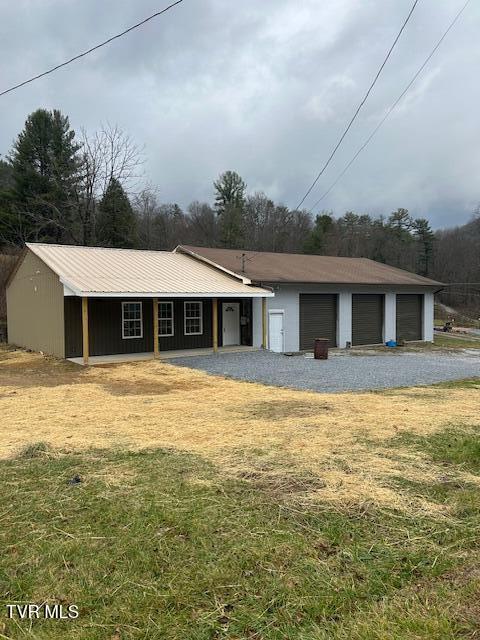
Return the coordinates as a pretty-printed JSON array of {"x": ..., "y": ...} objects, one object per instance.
[
  {"x": 205, "y": 508},
  {"x": 460, "y": 342}
]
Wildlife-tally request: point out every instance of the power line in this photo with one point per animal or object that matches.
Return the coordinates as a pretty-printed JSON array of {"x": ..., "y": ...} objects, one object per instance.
[
  {"x": 407, "y": 88},
  {"x": 85, "y": 53},
  {"x": 359, "y": 106}
]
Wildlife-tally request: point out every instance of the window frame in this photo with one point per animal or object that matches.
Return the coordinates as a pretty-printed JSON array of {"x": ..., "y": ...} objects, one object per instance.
[
  {"x": 124, "y": 320},
  {"x": 199, "y": 317},
  {"x": 172, "y": 318}
]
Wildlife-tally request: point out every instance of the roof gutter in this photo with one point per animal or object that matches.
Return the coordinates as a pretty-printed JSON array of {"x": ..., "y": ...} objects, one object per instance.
[{"x": 165, "y": 295}]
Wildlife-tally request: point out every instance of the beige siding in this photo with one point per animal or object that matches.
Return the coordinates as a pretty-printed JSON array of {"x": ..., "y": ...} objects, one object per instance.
[{"x": 35, "y": 311}]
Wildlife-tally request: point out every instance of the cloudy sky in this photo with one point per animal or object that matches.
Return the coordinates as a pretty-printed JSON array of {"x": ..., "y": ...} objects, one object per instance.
[{"x": 264, "y": 87}]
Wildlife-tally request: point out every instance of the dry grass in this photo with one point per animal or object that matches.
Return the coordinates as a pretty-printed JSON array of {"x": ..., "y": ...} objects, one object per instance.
[{"x": 332, "y": 445}]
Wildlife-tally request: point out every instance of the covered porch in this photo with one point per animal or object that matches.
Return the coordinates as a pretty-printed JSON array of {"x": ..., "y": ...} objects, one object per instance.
[
  {"x": 103, "y": 330},
  {"x": 165, "y": 355}
]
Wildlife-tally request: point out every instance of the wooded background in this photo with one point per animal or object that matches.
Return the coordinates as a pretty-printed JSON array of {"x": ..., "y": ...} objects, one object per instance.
[{"x": 57, "y": 186}]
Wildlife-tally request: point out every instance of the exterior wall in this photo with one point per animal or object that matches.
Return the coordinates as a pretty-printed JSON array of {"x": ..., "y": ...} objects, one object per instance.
[
  {"x": 287, "y": 299},
  {"x": 257, "y": 322},
  {"x": 344, "y": 320},
  {"x": 35, "y": 308},
  {"x": 246, "y": 329},
  {"x": 105, "y": 328},
  {"x": 428, "y": 316},
  {"x": 390, "y": 317}
]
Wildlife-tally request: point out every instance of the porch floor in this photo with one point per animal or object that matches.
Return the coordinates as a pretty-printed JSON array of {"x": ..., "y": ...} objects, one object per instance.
[{"x": 165, "y": 355}]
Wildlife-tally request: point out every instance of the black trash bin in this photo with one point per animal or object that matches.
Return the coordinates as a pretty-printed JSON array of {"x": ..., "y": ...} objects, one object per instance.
[{"x": 320, "y": 349}]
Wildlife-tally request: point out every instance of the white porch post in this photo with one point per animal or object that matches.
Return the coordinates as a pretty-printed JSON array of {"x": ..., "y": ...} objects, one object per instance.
[{"x": 344, "y": 318}]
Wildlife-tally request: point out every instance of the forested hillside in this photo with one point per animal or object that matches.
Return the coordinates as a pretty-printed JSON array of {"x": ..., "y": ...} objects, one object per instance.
[{"x": 63, "y": 187}]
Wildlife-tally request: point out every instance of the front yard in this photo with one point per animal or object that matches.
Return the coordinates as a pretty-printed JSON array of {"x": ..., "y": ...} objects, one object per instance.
[{"x": 167, "y": 503}]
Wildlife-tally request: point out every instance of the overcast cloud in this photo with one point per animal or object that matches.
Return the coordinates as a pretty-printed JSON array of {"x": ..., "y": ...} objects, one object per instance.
[{"x": 264, "y": 87}]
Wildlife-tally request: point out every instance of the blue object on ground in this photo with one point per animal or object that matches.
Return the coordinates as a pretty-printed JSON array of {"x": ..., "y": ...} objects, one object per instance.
[{"x": 391, "y": 343}]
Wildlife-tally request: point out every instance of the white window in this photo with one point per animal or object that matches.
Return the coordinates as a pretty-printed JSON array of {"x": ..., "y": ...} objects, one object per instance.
[
  {"x": 193, "y": 318},
  {"x": 165, "y": 319},
  {"x": 132, "y": 323}
]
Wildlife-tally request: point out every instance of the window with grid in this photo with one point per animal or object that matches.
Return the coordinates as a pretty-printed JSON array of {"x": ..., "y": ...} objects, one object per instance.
[
  {"x": 165, "y": 319},
  {"x": 193, "y": 318},
  {"x": 132, "y": 325}
]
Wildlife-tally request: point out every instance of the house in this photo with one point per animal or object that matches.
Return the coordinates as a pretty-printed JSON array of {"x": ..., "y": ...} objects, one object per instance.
[
  {"x": 350, "y": 301},
  {"x": 78, "y": 302},
  {"x": 83, "y": 302}
]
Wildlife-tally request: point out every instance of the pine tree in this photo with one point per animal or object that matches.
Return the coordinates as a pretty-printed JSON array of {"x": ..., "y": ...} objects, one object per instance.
[
  {"x": 116, "y": 219},
  {"x": 426, "y": 240},
  {"x": 316, "y": 241},
  {"x": 230, "y": 191},
  {"x": 230, "y": 206},
  {"x": 45, "y": 168}
]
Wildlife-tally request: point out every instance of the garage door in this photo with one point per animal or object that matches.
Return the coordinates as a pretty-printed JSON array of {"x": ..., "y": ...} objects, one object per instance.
[
  {"x": 318, "y": 319},
  {"x": 367, "y": 318},
  {"x": 409, "y": 317}
]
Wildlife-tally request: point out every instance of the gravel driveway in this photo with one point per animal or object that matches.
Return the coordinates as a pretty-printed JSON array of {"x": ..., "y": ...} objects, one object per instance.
[{"x": 340, "y": 372}]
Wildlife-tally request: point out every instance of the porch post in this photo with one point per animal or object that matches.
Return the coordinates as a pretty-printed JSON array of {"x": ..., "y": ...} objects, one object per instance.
[
  {"x": 156, "y": 350},
  {"x": 264, "y": 323},
  {"x": 85, "y": 329},
  {"x": 215, "y": 323}
]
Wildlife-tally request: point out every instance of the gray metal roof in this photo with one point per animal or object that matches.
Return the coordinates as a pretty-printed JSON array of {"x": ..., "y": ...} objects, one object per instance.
[{"x": 98, "y": 271}]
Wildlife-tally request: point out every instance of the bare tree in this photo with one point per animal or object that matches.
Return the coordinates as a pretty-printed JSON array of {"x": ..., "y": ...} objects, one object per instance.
[
  {"x": 202, "y": 224},
  {"x": 146, "y": 208},
  {"x": 110, "y": 154}
]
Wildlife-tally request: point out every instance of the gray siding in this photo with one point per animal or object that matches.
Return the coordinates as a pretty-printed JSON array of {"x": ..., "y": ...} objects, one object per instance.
[{"x": 287, "y": 298}]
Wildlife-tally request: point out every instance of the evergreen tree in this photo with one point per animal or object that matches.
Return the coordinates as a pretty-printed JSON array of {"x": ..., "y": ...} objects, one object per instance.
[
  {"x": 426, "y": 240},
  {"x": 316, "y": 241},
  {"x": 45, "y": 170},
  {"x": 229, "y": 191},
  {"x": 116, "y": 219},
  {"x": 230, "y": 206},
  {"x": 232, "y": 227}
]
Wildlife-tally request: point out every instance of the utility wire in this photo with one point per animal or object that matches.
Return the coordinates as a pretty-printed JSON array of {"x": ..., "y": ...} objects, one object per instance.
[
  {"x": 359, "y": 106},
  {"x": 85, "y": 53},
  {"x": 407, "y": 88}
]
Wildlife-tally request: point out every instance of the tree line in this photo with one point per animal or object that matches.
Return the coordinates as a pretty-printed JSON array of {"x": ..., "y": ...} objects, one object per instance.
[{"x": 68, "y": 188}]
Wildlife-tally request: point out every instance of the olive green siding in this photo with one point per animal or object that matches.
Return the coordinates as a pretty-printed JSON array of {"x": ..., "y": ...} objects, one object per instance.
[{"x": 35, "y": 308}]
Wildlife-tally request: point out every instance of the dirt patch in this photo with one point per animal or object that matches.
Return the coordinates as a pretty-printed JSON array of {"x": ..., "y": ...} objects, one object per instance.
[
  {"x": 343, "y": 439},
  {"x": 20, "y": 368}
]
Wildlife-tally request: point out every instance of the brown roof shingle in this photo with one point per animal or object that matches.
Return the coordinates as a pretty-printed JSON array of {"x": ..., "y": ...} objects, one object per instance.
[{"x": 266, "y": 267}]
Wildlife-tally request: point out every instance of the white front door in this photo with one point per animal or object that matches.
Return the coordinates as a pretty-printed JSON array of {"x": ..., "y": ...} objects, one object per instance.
[
  {"x": 231, "y": 323},
  {"x": 275, "y": 331}
]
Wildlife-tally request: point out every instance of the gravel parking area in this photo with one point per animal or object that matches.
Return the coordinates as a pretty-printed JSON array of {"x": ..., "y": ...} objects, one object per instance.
[{"x": 339, "y": 373}]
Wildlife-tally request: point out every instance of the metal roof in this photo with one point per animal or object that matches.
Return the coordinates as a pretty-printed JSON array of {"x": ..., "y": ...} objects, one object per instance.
[
  {"x": 267, "y": 267},
  {"x": 102, "y": 272}
]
